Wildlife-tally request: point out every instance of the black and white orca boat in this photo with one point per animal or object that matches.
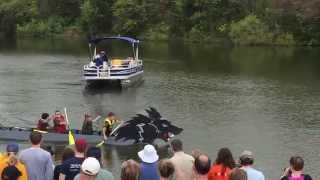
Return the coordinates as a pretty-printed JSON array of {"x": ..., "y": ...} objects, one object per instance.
[{"x": 102, "y": 68}]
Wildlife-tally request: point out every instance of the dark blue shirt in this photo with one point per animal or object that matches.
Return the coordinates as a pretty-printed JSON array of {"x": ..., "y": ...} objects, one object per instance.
[
  {"x": 71, "y": 167},
  {"x": 149, "y": 171}
]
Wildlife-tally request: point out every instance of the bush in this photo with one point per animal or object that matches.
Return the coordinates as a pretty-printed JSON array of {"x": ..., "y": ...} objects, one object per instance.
[
  {"x": 38, "y": 28},
  {"x": 284, "y": 39},
  {"x": 250, "y": 31},
  {"x": 158, "y": 32}
]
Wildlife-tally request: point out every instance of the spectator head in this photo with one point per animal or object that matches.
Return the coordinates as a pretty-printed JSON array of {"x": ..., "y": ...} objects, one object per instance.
[
  {"x": 166, "y": 168},
  {"x": 67, "y": 153},
  {"x": 246, "y": 158},
  {"x": 238, "y": 174},
  {"x": 296, "y": 163},
  {"x": 12, "y": 148},
  {"x": 177, "y": 145},
  {"x": 110, "y": 114},
  {"x": 90, "y": 166},
  {"x": 195, "y": 153},
  {"x": 44, "y": 115},
  {"x": 225, "y": 158},
  {"x": 35, "y": 138},
  {"x": 148, "y": 154},
  {"x": 202, "y": 164},
  {"x": 94, "y": 152},
  {"x": 81, "y": 145},
  {"x": 130, "y": 170},
  {"x": 49, "y": 150}
]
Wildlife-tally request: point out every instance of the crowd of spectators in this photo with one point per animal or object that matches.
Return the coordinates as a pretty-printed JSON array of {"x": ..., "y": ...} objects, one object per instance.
[{"x": 85, "y": 163}]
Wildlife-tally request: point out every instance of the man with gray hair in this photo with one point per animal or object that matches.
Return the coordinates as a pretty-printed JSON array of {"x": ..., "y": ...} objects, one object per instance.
[{"x": 246, "y": 161}]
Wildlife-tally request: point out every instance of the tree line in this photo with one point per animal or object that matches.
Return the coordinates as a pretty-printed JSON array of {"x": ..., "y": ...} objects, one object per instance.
[{"x": 252, "y": 22}]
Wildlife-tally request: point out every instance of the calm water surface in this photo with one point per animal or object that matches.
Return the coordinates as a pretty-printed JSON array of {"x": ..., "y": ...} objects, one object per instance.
[{"x": 265, "y": 99}]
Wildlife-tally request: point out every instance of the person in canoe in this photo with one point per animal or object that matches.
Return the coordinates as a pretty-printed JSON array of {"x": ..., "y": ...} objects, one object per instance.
[
  {"x": 109, "y": 124},
  {"x": 87, "y": 127},
  {"x": 43, "y": 123},
  {"x": 59, "y": 122}
]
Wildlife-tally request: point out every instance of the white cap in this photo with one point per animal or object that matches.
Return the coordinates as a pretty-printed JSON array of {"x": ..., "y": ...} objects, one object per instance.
[
  {"x": 148, "y": 154},
  {"x": 90, "y": 166}
]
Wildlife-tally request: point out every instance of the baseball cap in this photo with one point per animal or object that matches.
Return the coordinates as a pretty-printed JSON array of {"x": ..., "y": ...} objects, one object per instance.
[
  {"x": 81, "y": 144},
  {"x": 246, "y": 155},
  {"x": 90, "y": 166},
  {"x": 13, "y": 147}
]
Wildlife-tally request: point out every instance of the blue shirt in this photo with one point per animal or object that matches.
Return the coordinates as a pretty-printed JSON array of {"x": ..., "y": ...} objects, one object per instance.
[
  {"x": 254, "y": 174},
  {"x": 71, "y": 167},
  {"x": 149, "y": 171},
  {"x": 38, "y": 163}
]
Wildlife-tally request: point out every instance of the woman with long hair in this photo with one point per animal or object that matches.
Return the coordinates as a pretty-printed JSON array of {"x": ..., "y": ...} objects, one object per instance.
[{"x": 223, "y": 165}]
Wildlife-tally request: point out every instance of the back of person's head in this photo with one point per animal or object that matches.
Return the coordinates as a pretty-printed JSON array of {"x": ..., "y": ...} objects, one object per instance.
[
  {"x": 13, "y": 148},
  {"x": 81, "y": 145},
  {"x": 177, "y": 145},
  {"x": 48, "y": 149},
  {"x": 44, "y": 115},
  {"x": 67, "y": 153},
  {"x": 94, "y": 152},
  {"x": 225, "y": 158},
  {"x": 202, "y": 164},
  {"x": 35, "y": 137},
  {"x": 246, "y": 158},
  {"x": 166, "y": 168},
  {"x": 130, "y": 170},
  {"x": 296, "y": 163},
  {"x": 238, "y": 174}
]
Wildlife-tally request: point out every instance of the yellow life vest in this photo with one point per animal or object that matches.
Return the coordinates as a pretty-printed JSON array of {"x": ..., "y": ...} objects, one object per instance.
[{"x": 109, "y": 122}]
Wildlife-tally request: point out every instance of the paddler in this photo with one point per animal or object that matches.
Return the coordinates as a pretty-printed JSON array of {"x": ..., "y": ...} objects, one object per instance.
[
  {"x": 87, "y": 124},
  {"x": 59, "y": 122},
  {"x": 43, "y": 123},
  {"x": 109, "y": 124}
]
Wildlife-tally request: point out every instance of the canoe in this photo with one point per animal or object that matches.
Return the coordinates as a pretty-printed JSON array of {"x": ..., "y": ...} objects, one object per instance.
[{"x": 22, "y": 134}]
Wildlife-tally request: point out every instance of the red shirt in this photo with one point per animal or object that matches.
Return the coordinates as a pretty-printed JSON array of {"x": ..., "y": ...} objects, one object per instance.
[
  {"x": 42, "y": 125},
  {"x": 219, "y": 172},
  {"x": 59, "y": 124}
]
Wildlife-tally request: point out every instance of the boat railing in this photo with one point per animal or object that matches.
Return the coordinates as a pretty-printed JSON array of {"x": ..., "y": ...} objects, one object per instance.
[{"x": 115, "y": 64}]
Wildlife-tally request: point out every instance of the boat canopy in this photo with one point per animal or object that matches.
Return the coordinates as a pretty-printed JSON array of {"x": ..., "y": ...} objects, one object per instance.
[{"x": 122, "y": 38}]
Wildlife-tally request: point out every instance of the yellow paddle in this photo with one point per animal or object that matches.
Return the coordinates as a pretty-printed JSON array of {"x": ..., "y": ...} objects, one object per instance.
[{"x": 70, "y": 135}]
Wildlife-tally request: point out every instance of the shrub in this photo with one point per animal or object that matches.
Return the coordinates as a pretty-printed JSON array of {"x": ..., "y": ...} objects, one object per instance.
[{"x": 251, "y": 31}]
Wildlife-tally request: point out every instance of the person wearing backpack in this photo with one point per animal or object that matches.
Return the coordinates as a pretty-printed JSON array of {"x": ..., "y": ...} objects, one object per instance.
[
  {"x": 295, "y": 171},
  {"x": 10, "y": 167}
]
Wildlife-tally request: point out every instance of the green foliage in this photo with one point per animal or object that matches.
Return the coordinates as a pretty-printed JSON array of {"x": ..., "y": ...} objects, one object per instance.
[
  {"x": 252, "y": 22},
  {"x": 285, "y": 39},
  {"x": 158, "y": 32},
  {"x": 96, "y": 16},
  {"x": 35, "y": 28},
  {"x": 250, "y": 31},
  {"x": 130, "y": 17}
]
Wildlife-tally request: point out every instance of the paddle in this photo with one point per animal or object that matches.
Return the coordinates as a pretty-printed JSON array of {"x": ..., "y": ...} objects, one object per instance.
[
  {"x": 70, "y": 136},
  {"x": 102, "y": 142}
]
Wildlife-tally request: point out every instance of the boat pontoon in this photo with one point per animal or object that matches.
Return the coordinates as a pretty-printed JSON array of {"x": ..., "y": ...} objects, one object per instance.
[{"x": 108, "y": 69}]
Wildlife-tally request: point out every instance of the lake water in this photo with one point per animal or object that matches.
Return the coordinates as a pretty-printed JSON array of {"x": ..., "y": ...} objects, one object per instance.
[{"x": 264, "y": 99}]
